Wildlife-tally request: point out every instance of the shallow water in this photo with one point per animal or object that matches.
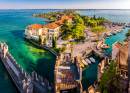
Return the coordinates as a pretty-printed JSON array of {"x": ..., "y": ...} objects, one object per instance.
[
  {"x": 118, "y": 37},
  {"x": 32, "y": 58}
]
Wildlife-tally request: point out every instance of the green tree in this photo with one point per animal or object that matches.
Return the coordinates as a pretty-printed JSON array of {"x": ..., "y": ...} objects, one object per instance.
[
  {"x": 45, "y": 41},
  {"x": 65, "y": 22},
  {"x": 52, "y": 18},
  {"x": 66, "y": 30},
  {"x": 75, "y": 18},
  {"x": 40, "y": 38},
  {"x": 55, "y": 42},
  {"x": 99, "y": 31},
  {"x": 63, "y": 49},
  {"x": 80, "y": 20},
  {"x": 109, "y": 81},
  {"x": 77, "y": 31},
  {"x": 82, "y": 37},
  {"x": 128, "y": 34},
  {"x": 94, "y": 17}
]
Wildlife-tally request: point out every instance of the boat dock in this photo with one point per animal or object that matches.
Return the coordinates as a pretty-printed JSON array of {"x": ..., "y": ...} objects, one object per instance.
[{"x": 25, "y": 83}]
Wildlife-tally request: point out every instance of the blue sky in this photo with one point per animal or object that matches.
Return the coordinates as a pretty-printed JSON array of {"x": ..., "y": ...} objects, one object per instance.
[{"x": 64, "y": 4}]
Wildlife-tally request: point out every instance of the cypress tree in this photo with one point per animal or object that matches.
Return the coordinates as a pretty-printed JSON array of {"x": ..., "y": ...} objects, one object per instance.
[
  {"x": 40, "y": 39},
  {"x": 55, "y": 41},
  {"x": 45, "y": 41}
]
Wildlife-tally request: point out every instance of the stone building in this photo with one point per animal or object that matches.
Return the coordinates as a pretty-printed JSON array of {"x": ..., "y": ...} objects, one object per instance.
[
  {"x": 120, "y": 54},
  {"x": 68, "y": 75}
]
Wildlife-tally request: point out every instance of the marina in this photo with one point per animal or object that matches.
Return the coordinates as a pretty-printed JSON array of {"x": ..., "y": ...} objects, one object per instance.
[{"x": 35, "y": 58}]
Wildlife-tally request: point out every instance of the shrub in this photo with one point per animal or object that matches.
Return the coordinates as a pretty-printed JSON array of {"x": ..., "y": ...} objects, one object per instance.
[
  {"x": 82, "y": 38},
  {"x": 35, "y": 41}
]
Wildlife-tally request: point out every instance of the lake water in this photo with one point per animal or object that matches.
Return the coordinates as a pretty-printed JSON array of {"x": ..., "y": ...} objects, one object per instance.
[{"x": 32, "y": 58}]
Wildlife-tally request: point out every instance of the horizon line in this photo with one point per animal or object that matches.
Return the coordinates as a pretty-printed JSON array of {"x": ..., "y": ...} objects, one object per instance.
[{"x": 62, "y": 9}]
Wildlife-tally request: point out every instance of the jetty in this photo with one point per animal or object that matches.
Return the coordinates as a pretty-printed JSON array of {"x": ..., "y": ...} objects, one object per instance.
[{"x": 24, "y": 82}]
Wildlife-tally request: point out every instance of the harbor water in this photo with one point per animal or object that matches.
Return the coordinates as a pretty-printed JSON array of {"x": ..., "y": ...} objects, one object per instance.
[{"x": 31, "y": 57}]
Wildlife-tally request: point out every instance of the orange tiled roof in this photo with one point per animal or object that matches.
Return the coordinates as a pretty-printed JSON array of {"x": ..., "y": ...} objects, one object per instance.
[
  {"x": 51, "y": 25},
  {"x": 57, "y": 23},
  {"x": 121, "y": 47},
  {"x": 36, "y": 26},
  {"x": 65, "y": 17},
  {"x": 70, "y": 16}
]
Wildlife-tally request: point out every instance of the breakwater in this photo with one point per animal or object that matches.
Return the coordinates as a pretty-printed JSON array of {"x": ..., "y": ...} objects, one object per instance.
[{"x": 25, "y": 83}]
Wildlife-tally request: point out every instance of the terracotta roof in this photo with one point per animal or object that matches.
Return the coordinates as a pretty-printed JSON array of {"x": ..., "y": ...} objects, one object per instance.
[
  {"x": 121, "y": 47},
  {"x": 51, "y": 25},
  {"x": 65, "y": 17},
  {"x": 36, "y": 26},
  {"x": 70, "y": 16},
  {"x": 59, "y": 22}
]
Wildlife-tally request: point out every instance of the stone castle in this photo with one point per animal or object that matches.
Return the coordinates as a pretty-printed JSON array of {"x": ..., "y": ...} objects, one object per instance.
[
  {"x": 25, "y": 83},
  {"x": 68, "y": 75}
]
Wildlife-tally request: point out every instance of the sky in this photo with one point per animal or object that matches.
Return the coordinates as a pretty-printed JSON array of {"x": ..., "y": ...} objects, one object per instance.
[{"x": 64, "y": 4}]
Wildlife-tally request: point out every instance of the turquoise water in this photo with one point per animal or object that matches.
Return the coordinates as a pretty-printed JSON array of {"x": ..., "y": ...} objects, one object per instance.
[
  {"x": 118, "y": 37},
  {"x": 32, "y": 58},
  {"x": 113, "y": 15}
]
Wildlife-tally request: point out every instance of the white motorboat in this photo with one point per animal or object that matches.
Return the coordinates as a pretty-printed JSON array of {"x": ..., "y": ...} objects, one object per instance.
[
  {"x": 109, "y": 34},
  {"x": 88, "y": 61},
  {"x": 105, "y": 46},
  {"x": 92, "y": 59},
  {"x": 85, "y": 63}
]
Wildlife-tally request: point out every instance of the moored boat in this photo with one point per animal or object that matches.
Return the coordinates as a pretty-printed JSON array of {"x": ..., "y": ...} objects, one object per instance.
[
  {"x": 109, "y": 34},
  {"x": 85, "y": 63},
  {"x": 88, "y": 61},
  {"x": 92, "y": 59},
  {"x": 105, "y": 46},
  {"x": 106, "y": 37},
  {"x": 113, "y": 33}
]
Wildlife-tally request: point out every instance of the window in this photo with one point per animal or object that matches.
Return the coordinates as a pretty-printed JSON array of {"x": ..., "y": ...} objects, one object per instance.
[
  {"x": 51, "y": 34},
  {"x": 51, "y": 30},
  {"x": 36, "y": 30}
]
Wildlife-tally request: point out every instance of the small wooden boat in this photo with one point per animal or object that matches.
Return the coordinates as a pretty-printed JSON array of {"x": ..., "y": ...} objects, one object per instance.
[
  {"x": 105, "y": 46},
  {"x": 92, "y": 59},
  {"x": 88, "y": 61},
  {"x": 85, "y": 63}
]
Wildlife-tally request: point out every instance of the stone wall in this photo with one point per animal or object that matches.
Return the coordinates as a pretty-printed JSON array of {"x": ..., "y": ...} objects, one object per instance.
[{"x": 28, "y": 83}]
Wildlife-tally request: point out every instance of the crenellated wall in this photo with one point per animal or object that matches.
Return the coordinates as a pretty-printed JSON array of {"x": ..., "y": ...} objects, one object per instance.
[{"x": 24, "y": 82}]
